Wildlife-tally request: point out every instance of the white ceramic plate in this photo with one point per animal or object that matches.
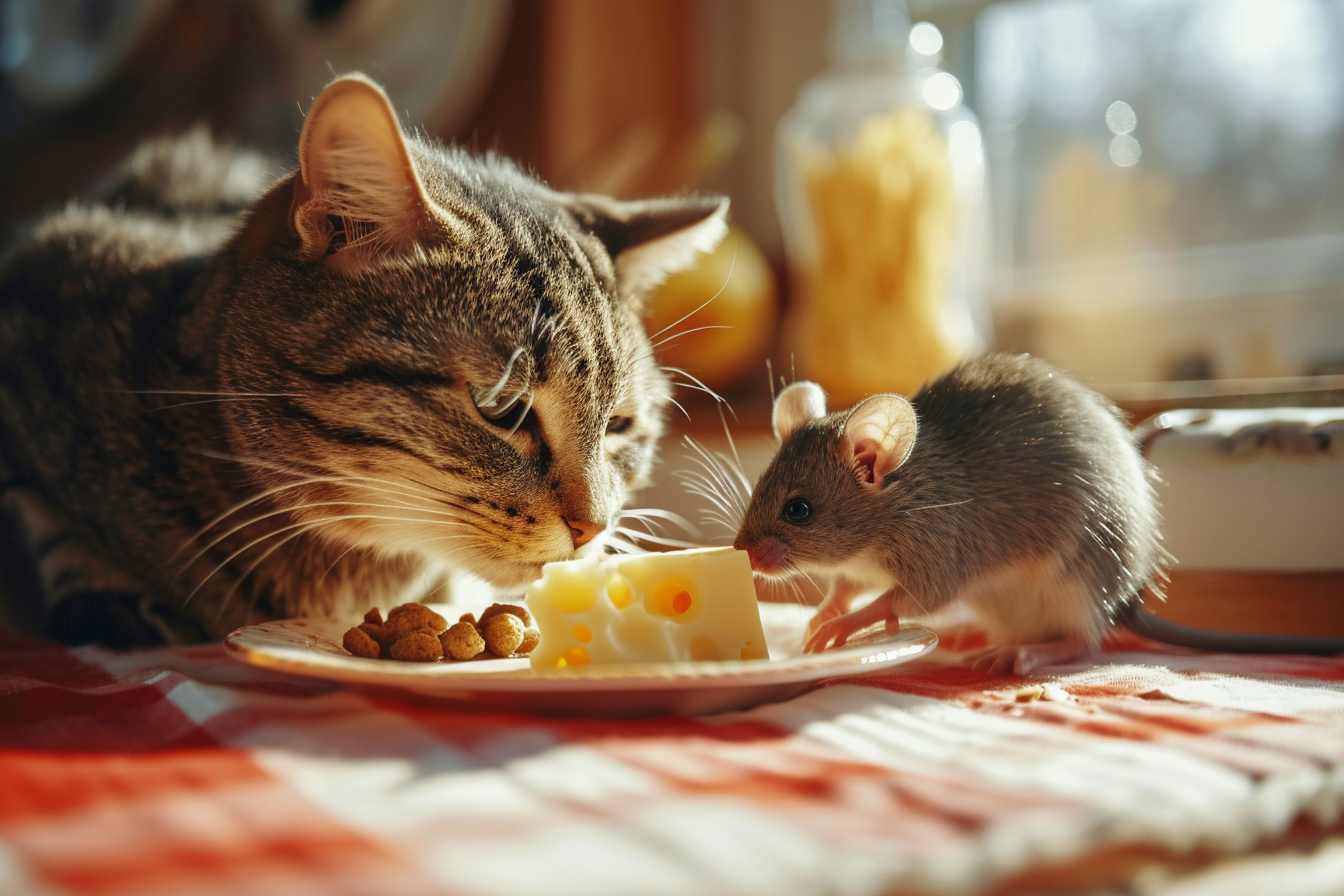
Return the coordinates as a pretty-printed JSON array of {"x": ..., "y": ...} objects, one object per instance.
[{"x": 312, "y": 648}]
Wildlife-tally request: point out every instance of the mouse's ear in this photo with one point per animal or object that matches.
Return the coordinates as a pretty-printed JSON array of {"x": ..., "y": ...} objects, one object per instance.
[
  {"x": 880, "y": 434},
  {"x": 798, "y": 403}
]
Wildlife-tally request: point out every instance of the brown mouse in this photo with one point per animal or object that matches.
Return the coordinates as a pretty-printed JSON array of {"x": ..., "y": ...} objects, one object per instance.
[{"x": 1004, "y": 484}]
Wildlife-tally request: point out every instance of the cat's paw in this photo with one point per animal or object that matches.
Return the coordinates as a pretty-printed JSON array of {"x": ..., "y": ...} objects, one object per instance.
[{"x": 107, "y": 618}]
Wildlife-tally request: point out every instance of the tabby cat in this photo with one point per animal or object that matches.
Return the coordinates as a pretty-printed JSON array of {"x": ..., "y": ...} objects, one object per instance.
[{"x": 222, "y": 401}]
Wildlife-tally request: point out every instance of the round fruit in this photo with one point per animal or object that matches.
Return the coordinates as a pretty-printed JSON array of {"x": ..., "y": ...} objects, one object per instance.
[{"x": 730, "y": 336}]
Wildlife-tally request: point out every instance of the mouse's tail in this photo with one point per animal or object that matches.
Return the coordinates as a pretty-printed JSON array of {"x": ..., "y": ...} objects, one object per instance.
[{"x": 1144, "y": 623}]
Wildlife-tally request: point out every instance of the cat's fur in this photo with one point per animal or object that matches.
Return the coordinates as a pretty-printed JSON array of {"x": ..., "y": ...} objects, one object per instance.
[{"x": 223, "y": 401}]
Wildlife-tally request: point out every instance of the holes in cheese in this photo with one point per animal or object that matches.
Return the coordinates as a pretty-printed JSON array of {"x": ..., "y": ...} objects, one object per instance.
[
  {"x": 704, "y": 649},
  {"x": 574, "y": 656},
  {"x": 620, "y": 593},
  {"x": 694, "y": 605},
  {"x": 676, "y": 598}
]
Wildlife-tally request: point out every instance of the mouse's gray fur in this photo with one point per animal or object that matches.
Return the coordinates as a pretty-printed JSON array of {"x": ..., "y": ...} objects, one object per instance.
[{"x": 1023, "y": 494}]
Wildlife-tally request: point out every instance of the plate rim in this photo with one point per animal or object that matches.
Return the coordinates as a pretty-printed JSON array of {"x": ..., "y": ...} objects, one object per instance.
[{"x": 870, "y": 654}]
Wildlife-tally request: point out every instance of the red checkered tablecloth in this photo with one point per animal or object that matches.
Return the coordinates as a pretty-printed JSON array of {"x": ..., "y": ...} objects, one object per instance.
[{"x": 1154, "y": 771}]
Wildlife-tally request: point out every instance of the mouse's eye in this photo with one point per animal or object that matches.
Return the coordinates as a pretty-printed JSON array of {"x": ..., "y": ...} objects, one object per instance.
[{"x": 798, "y": 511}]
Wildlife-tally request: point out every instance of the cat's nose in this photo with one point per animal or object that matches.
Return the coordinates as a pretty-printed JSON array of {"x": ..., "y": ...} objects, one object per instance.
[{"x": 584, "y": 531}]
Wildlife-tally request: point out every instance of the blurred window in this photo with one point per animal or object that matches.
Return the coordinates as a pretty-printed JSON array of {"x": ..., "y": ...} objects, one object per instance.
[{"x": 1167, "y": 183}]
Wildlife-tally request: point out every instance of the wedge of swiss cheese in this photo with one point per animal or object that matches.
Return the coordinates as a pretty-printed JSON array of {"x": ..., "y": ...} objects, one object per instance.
[{"x": 694, "y": 605}]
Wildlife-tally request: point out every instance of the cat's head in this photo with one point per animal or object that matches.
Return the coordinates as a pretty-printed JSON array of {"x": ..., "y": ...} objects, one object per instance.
[{"x": 452, "y": 353}]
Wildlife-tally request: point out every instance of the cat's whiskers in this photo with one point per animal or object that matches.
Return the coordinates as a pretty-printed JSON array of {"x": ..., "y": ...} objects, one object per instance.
[
  {"x": 679, "y": 407},
  {"x": 209, "y": 397},
  {"x": 292, "y": 531},
  {"x": 233, "y": 394},
  {"x": 302, "y": 477},
  {"x": 188, "y": 404},
  {"x": 488, "y": 397},
  {"x": 241, "y": 505},
  {"x": 305, "y": 477},
  {"x": 655, "y": 518},
  {"x": 654, "y": 338},
  {"x": 444, "y": 551},
  {"x": 543, "y": 327},
  {"x": 449, "y": 499},
  {"x": 280, "y": 489},
  {"x": 675, "y": 336},
  {"x": 339, "y": 557},
  {"x": 429, "y": 505},
  {"x": 407, "y": 487},
  {"x": 415, "y": 496},
  {"x": 237, "y": 583},
  {"x": 695, "y": 383},
  {"x": 649, "y": 537},
  {"x": 458, "y": 536},
  {"x": 527, "y": 409},
  {"x": 623, "y": 546},
  {"x": 658, "y": 517},
  {"x": 301, "y": 528},
  {"x": 283, "y": 511}
]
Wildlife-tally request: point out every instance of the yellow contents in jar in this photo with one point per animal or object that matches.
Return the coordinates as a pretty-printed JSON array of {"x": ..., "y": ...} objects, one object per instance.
[{"x": 884, "y": 215}]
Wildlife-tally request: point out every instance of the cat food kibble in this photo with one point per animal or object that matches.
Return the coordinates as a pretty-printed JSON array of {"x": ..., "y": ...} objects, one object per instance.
[
  {"x": 511, "y": 609},
  {"x": 408, "y": 618},
  {"x": 531, "y": 638},
  {"x": 503, "y": 633},
  {"x": 462, "y": 641},
  {"x": 405, "y": 634},
  {"x": 420, "y": 646},
  {"x": 503, "y": 630},
  {"x": 359, "y": 643},
  {"x": 692, "y": 605}
]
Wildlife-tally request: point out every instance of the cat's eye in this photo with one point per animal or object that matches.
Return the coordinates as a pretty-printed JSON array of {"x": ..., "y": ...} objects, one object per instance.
[
  {"x": 508, "y": 414},
  {"x": 798, "y": 511},
  {"x": 619, "y": 424}
]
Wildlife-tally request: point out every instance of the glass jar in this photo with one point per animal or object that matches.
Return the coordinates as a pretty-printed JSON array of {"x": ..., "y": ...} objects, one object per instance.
[{"x": 880, "y": 189}]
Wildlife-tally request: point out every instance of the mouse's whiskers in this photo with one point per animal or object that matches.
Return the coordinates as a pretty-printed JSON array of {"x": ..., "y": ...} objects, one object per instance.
[{"x": 719, "y": 480}]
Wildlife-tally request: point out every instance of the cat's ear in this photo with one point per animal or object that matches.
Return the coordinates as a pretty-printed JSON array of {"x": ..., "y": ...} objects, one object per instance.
[
  {"x": 653, "y": 238},
  {"x": 357, "y": 190},
  {"x": 880, "y": 434},
  {"x": 798, "y": 403}
]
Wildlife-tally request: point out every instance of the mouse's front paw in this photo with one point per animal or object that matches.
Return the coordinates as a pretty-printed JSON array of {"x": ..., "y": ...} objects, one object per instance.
[
  {"x": 827, "y": 612},
  {"x": 997, "y": 661},
  {"x": 820, "y": 636},
  {"x": 1024, "y": 659},
  {"x": 838, "y": 630}
]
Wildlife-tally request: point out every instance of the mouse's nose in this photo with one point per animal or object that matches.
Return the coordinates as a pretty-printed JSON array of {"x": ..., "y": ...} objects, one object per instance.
[
  {"x": 767, "y": 555},
  {"x": 584, "y": 531}
]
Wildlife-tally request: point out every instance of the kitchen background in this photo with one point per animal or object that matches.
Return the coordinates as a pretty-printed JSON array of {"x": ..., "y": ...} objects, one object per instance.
[{"x": 1160, "y": 208}]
